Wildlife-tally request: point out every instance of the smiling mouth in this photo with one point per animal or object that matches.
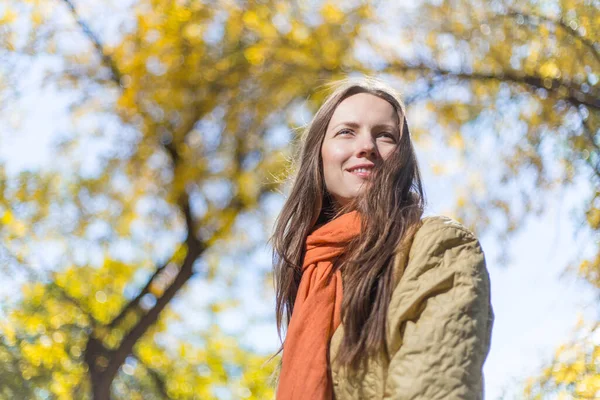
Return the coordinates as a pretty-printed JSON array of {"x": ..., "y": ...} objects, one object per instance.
[{"x": 361, "y": 172}]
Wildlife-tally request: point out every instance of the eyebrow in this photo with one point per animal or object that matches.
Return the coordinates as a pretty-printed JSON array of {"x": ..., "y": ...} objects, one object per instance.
[{"x": 355, "y": 125}]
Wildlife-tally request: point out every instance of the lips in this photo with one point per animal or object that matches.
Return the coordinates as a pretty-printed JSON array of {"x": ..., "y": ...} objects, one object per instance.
[
  {"x": 361, "y": 173},
  {"x": 361, "y": 170}
]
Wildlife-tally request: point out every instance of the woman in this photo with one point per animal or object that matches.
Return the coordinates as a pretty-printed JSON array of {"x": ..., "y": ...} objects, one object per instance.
[{"x": 379, "y": 302}]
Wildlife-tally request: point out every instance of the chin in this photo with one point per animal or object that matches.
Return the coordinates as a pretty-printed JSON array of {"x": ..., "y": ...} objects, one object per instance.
[{"x": 355, "y": 193}]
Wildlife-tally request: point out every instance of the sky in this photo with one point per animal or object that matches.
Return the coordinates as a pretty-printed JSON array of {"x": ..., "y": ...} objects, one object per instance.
[{"x": 536, "y": 306}]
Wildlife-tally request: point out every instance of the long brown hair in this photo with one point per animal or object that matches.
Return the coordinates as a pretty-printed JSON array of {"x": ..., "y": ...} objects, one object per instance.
[{"x": 389, "y": 210}]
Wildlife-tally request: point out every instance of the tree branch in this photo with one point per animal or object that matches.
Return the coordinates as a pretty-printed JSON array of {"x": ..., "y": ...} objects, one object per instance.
[
  {"x": 126, "y": 346},
  {"x": 531, "y": 17},
  {"x": 587, "y": 129},
  {"x": 574, "y": 96},
  {"x": 195, "y": 250},
  {"x": 191, "y": 240},
  {"x": 106, "y": 59},
  {"x": 159, "y": 382},
  {"x": 134, "y": 303},
  {"x": 93, "y": 321}
]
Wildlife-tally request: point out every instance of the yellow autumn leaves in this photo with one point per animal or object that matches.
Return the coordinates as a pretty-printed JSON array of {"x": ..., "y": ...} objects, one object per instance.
[{"x": 575, "y": 367}]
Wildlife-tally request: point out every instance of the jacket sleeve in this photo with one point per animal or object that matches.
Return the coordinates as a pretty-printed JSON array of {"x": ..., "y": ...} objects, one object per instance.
[{"x": 441, "y": 317}]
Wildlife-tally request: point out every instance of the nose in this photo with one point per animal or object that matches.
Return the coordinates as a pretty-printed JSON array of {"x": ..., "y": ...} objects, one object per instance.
[{"x": 366, "y": 147}]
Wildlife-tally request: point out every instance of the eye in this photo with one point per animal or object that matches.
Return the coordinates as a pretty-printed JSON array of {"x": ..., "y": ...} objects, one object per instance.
[
  {"x": 344, "y": 130},
  {"x": 387, "y": 134}
]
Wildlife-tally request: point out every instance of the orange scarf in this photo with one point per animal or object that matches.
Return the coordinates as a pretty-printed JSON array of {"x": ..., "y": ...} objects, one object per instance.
[{"x": 305, "y": 372}]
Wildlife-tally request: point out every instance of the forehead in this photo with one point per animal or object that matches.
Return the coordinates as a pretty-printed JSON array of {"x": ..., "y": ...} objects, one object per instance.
[{"x": 366, "y": 109}]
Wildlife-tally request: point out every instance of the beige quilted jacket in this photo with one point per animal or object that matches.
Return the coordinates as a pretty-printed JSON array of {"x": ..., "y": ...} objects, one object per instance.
[{"x": 439, "y": 322}]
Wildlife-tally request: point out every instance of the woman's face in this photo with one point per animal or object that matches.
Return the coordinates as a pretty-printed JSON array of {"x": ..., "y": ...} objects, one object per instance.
[{"x": 363, "y": 131}]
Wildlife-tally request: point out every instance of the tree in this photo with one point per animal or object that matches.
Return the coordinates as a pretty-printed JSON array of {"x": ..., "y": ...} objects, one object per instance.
[
  {"x": 516, "y": 82},
  {"x": 181, "y": 102}
]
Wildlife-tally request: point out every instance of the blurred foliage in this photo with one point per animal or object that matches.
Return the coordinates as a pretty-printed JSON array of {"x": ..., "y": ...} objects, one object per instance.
[
  {"x": 169, "y": 145},
  {"x": 44, "y": 344},
  {"x": 574, "y": 371}
]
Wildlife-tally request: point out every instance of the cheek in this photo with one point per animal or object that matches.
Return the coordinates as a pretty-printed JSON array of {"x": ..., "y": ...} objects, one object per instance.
[
  {"x": 386, "y": 150},
  {"x": 333, "y": 156}
]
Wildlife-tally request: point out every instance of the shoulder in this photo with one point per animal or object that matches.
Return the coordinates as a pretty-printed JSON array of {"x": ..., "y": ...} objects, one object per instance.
[
  {"x": 435, "y": 223},
  {"x": 443, "y": 245},
  {"x": 441, "y": 232},
  {"x": 439, "y": 244}
]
